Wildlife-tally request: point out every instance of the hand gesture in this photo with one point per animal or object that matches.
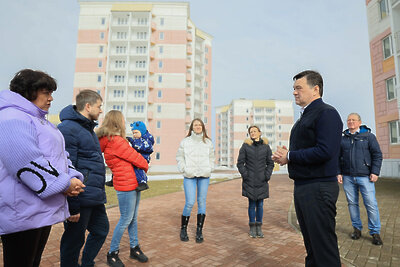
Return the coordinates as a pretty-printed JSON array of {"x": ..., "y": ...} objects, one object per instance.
[
  {"x": 75, "y": 187},
  {"x": 280, "y": 155}
]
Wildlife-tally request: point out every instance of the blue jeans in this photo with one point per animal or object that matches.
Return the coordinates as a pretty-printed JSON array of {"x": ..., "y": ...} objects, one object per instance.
[
  {"x": 128, "y": 207},
  {"x": 351, "y": 187},
  {"x": 94, "y": 219},
  {"x": 256, "y": 210},
  {"x": 189, "y": 185}
]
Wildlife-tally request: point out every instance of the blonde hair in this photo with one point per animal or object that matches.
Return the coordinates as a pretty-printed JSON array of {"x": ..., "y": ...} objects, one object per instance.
[{"x": 113, "y": 124}]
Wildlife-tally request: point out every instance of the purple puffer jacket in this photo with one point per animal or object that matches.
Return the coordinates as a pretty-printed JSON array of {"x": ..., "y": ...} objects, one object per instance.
[{"x": 34, "y": 167}]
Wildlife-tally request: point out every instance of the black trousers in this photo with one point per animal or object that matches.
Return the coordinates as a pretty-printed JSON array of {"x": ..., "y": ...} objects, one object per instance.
[
  {"x": 24, "y": 249},
  {"x": 315, "y": 205}
]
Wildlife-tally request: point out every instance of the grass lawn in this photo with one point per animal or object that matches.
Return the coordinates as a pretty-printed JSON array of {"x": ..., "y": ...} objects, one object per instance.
[{"x": 156, "y": 188}]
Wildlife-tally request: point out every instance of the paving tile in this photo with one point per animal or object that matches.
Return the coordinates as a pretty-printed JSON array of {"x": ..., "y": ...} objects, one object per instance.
[{"x": 226, "y": 239}]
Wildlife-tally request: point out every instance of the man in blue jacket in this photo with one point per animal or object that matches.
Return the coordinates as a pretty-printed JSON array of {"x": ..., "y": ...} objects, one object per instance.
[
  {"x": 360, "y": 165},
  {"x": 312, "y": 161},
  {"x": 87, "y": 210}
]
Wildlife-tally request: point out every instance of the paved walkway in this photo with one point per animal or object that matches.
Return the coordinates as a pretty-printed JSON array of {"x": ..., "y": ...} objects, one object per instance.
[{"x": 225, "y": 232}]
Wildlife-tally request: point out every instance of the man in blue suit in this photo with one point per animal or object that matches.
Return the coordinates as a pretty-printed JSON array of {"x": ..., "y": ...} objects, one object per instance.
[{"x": 312, "y": 161}]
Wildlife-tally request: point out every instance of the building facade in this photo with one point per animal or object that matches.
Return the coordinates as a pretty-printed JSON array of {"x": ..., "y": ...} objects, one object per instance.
[
  {"x": 273, "y": 117},
  {"x": 148, "y": 60},
  {"x": 384, "y": 37}
]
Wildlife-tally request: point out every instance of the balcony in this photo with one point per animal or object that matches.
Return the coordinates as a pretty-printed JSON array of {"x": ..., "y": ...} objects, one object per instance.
[
  {"x": 188, "y": 91},
  {"x": 152, "y": 55},
  {"x": 153, "y": 26},
  {"x": 150, "y": 115},
  {"x": 188, "y": 105},
  {"x": 151, "y": 85},
  {"x": 189, "y": 37},
  {"x": 188, "y": 119},
  {"x": 150, "y": 99},
  {"x": 152, "y": 68},
  {"x": 188, "y": 77},
  {"x": 153, "y": 39},
  {"x": 188, "y": 63},
  {"x": 189, "y": 50}
]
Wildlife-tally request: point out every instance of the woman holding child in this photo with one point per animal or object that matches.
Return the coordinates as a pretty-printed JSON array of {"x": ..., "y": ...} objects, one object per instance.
[
  {"x": 195, "y": 159},
  {"x": 121, "y": 158}
]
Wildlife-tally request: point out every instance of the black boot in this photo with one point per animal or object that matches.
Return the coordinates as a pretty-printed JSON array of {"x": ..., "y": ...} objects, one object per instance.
[
  {"x": 137, "y": 254},
  {"x": 184, "y": 223},
  {"x": 258, "y": 230},
  {"x": 113, "y": 260},
  {"x": 253, "y": 230},
  {"x": 199, "y": 230}
]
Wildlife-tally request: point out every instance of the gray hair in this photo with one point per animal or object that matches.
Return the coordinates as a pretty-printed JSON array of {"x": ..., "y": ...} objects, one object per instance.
[{"x": 355, "y": 114}]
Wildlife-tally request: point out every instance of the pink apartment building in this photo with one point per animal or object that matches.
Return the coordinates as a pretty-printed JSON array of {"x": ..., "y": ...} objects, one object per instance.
[
  {"x": 148, "y": 60},
  {"x": 273, "y": 117},
  {"x": 384, "y": 37}
]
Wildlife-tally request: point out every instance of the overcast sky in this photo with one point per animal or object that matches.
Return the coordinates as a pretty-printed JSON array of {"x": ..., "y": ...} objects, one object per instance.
[{"x": 258, "y": 46}]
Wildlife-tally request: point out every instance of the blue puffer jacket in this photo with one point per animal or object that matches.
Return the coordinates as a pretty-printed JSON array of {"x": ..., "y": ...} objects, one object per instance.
[
  {"x": 83, "y": 147},
  {"x": 360, "y": 154}
]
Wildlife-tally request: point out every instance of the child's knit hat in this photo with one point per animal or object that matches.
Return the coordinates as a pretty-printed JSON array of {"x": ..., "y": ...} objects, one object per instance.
[{"x": 140, "y": 126}]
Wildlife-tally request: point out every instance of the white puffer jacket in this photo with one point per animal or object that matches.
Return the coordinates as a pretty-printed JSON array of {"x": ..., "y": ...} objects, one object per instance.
[{"x": 195, "y": 157}]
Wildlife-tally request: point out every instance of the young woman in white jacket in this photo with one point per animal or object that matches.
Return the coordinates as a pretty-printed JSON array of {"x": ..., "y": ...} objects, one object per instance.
[{"x": 195, "y": 159}]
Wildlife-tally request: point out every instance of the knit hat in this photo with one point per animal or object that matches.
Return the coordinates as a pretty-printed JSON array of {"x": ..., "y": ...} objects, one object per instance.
[{"x": 140, "y": 126}]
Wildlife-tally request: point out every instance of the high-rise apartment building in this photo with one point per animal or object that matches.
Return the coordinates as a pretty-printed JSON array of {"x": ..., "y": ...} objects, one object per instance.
[
  {"x": 384, "y": 37},
  {"x": 148, "y": 60},
  {"x": 273, "y": 117}
]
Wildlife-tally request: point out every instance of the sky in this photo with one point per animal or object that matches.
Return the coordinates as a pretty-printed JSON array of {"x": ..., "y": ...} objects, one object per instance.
[{"x": 258, "y": 46}]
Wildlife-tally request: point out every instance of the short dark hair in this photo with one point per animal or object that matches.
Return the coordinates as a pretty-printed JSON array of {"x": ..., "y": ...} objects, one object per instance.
[
  {"x": 253, "y": 126},
  {"x": 313, "y": 79},
  {"x": 86, "y": 97},
  {"x": 28, "y": 82}
]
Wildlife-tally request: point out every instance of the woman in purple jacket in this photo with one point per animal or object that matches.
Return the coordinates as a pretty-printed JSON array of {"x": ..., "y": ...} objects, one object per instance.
[{"x": 35, "y": 173}]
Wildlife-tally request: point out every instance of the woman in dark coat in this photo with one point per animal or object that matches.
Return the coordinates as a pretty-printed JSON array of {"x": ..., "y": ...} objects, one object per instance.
[{"x": 255, "y": 165}]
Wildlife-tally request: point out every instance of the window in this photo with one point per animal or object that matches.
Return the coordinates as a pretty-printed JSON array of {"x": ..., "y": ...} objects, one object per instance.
[
  {"x": 390, "y": 88},
  {"x": 160, "y": 78},
  {"x": 161, "y": 21},
  {"x": 160, "y": 64},
  {"x": 161, "y": 36},
  {"x": 383, "y": 8},
  {"x": 138, "y": 108},
  {"x": 159, "y": 108},
  {"x": 158, "y": 124},
  {"x": 205, "y": 120},
  {"x": 387, "y": 47},
  {"x": 206, "y": 49},
  {"x": 394, "y": 132},
  {"x": 120, "y": 64},
  {"x": 99, "y": 92},
  {"x": 158, "y": 140},
  {"x": 159, "y": 94},
  {"x": 205, "y": 107},
  {"x": 100, "y": 64},
  {"x": 101, "y": 49},
  {"x": 119, "y": 78},
  {"x": 98, "y": 78},
  {"x": 103, "y": 21},
  {"x": 206, "y": 60},
  {"x": 206, "y": 72},
  {"x": 205, "y": 96},
  {"x": 158, "y": 156},
  {"x": 102, "y": 35},
  {"x": 161, "y": 49}
]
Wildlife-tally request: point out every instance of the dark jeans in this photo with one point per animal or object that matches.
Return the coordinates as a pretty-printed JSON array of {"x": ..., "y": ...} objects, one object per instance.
[
  {"x": 256, "y": 210},
  {"x": 24, "y": 248},
  {"x": 95, "y": 220},
  {"x": 315, "y": 205}
]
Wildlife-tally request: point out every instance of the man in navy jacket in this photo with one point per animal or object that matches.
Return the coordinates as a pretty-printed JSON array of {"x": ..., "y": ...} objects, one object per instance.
[
  {"x": 87, "y": 210},
  {"x": 312, "y": 161},
  {"x": 360, "y": 165}
]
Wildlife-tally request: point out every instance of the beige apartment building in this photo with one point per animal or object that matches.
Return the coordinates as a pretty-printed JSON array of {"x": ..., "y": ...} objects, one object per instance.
[
  {"x": 151, "y": 62},
  {"x": 274, "y": 118},
  {"x": 384, "y": 37}
]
